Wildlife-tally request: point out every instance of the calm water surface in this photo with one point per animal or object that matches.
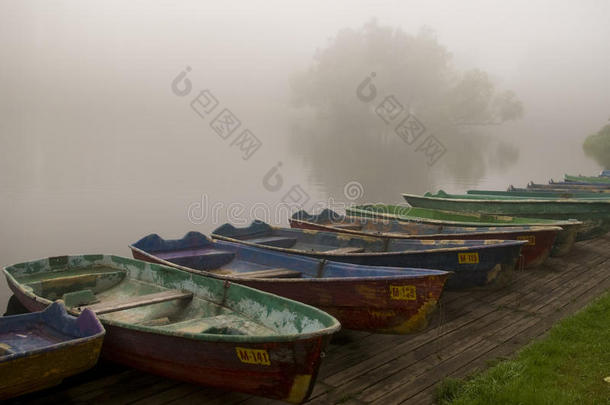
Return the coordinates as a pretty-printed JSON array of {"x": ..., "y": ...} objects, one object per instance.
[{"x": 55, "y": 203}]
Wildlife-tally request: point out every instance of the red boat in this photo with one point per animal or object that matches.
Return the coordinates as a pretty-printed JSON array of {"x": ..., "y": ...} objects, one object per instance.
[
  {"x": 370, "y": 298},
  {"x": 186, "y": 326},
  {"x": 539, "y": 239}
]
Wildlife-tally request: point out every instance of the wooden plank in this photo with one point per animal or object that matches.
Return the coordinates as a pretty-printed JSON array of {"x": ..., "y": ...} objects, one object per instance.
[
  {"x": 366, "y": 359},
  {"x": 413, "y": 387},
  {"x": 345, "y": 250},
  {"x": 173, "y": 393},
  {"x": 148, "y": 299},
  {"x": 352, "y": 227},
  {"x": 269, "y": 273},
  {"x": 470, "y": 328}
]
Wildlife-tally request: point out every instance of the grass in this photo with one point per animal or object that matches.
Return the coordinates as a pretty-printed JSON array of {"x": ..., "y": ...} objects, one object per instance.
[{"x": 567, "y": 367}]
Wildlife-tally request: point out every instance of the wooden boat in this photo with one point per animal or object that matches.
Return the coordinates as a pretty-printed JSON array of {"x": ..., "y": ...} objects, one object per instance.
[
  {"x": 570, "y": 186},
  {"x": 361, "y": 297},
  {"x": 474, "y": 263},
  {"x": 40, "y": 349},
  {"x": 594, "y": 214},
  {"x": 529, "y": 193},
  {"x": 562, "y": 246},
  {"x": 186, "y": 326},
  {"x": 538, "y": 247},
  {"x": 558, "y": 190},
  {"x": 587, "y": 179}
]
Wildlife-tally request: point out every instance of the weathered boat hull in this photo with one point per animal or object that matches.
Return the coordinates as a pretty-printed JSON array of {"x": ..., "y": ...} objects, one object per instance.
[
  {"x": 39, "y": 356},
  {"x": 474, "y": 263},
  {"x": 540, "y": 240},
  {"x": 594, "y": 215},
  {"x": 587, "y": 179},
  {"x": 373, "y": 303},
  {"x": 566, "y": 191},
  {"x": 549, "y": 194},
  {"x": 564, "y": 242},
  {"x": 570, "y": 186},
  {"x": 282, "y": 366}
]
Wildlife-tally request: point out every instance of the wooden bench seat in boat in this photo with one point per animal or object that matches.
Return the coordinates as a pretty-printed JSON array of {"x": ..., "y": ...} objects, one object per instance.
[
  {"x": 139, "y": 301},
  {"x": 270, "y": 273},
  {"x": 277, "y": 241},
  {"x": 224, "y": 324},
  {"x": 204, "y": 258},
  {"x": 352, "y": 227},
  {"x": 345, "y": 250}
]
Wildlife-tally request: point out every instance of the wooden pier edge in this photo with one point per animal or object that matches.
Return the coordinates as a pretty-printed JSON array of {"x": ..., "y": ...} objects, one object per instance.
[{"x": 470, "y": 329}]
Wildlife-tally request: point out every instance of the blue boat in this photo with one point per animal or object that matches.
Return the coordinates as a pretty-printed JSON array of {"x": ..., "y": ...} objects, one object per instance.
[
  {"x": 38, "y": 350},
  {"x": 475, "y": 262},
  {"x": 376, "y": 299}
]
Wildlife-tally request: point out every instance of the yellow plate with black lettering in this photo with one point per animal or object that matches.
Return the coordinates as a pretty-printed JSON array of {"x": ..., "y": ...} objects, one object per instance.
[
  {"x": 403, "y": 292},
  {"x": 253, "y": 356},
  {"x": 468, "y": 258}
]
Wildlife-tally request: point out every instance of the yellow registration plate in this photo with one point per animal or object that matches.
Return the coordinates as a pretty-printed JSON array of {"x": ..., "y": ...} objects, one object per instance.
[
  {"x": 253, "y": 356},
  {"x": 468, "y": 258},
  {"x": 403, "y": 292}
]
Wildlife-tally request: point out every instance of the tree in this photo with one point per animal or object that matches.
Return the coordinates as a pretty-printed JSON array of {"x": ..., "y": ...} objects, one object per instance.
[
  {"x": 416, "y": 70},
  {"x": 597, "y": 146}
]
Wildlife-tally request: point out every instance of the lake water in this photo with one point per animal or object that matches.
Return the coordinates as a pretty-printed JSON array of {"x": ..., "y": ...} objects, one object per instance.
[{"x": 81, "y": 194}]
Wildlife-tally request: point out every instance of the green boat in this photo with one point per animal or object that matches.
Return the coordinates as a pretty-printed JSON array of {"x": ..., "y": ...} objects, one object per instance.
[
  {"x": 563, "y": 244},
  {"x": 186, "y": 326},
  {"x": 553, "y": 195},
  {"x": 587, "y": 179},
  {"x": 593, "y": 213}
]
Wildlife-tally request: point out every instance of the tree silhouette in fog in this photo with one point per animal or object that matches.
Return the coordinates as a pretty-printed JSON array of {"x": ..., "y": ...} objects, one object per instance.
[
  {"x": 597, "y": 146},
  {"x": 343, "y": 138}
]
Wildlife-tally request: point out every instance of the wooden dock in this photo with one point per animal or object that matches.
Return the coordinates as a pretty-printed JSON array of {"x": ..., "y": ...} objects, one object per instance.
[{"x": 471, "y": 329}]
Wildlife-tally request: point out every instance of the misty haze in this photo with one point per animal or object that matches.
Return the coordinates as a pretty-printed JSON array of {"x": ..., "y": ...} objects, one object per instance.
[{"x": 107, "y": 109}]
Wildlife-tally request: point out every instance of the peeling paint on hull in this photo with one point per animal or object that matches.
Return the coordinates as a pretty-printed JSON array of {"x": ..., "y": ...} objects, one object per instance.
[
  {"x": 143, "y": 337},
  {"x": 359, "y": 296},
  {"x": 534, "y": 254}
]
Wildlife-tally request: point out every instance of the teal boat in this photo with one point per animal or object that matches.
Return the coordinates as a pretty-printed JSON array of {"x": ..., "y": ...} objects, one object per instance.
[
  {"x": 561, "y": 186},
  {"x": 560, "y": 189},
  {"x": 587, "y": 179},
  {"x": 563, "y": 244},
  {"x": 186, "y": 326},
  {"x": 593, "y": 213},
  {"x": 553, "y": 195}
]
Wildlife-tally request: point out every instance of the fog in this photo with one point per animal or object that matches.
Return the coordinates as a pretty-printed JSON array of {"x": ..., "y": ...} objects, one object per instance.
[{"x": 97, "y": 149}]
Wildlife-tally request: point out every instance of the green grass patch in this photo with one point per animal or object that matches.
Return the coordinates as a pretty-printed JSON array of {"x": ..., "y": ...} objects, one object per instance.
[{"x": 567, "y": 367}]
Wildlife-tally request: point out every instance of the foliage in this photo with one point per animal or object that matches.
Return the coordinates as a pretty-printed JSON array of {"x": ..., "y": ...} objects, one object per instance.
[
  {"x": 414, "y": 68},
  {"x": 597, "y": 146},
  {"x": 459, "y": 108}
]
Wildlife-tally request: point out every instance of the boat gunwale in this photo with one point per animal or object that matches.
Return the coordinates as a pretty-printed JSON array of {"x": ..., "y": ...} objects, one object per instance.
[
  {"x": 513, "y": 201},
  {"x": 76, "y": 341},
  {"x": 483, "y": 244},
  {"x": 399, "y": 235},
  {"x": 405, "y": 218},
  {"x": 426, "y": 273},
  {"x": 204, "y": 337}
]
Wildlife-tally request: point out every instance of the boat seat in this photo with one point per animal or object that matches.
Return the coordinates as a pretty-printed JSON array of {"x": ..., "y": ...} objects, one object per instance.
[
  {"x": 225, "y": 324},
  {"x": 352, "y": 227},
  {"x": 345, "y": 250},
  {"x": 270, "y": 273},
  {"x": 56, "y": 285},
  {"x": 148, "y": 299},
  {"x": 5, "y": 350},
  {"x": 277, "y": 241},
  {"x": 198, "y": 258}
]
